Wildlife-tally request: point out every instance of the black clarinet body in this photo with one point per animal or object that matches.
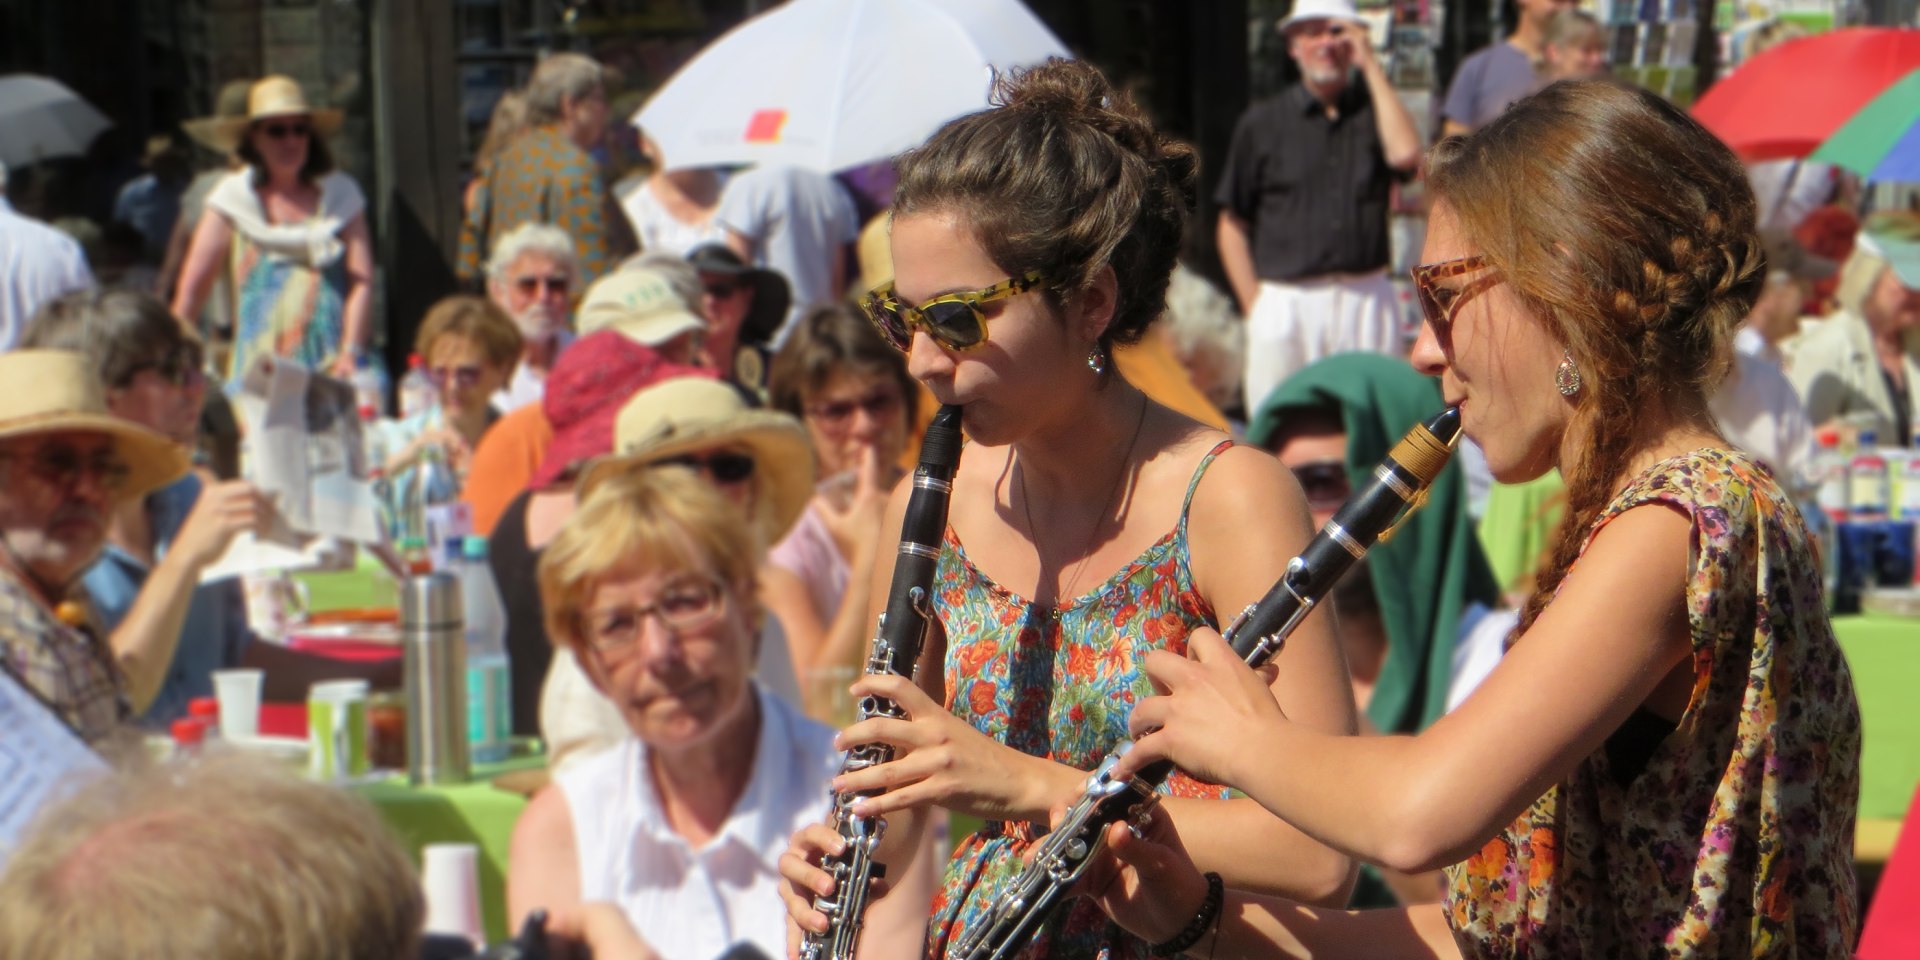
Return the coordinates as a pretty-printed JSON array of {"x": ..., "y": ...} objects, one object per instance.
[
  {"x": 898, "y": 637},
  {"x": 1398, "y": 487}
]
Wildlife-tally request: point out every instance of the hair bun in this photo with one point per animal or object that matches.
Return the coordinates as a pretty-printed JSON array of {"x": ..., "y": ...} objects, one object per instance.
[{"x": 1074, "y": 91}]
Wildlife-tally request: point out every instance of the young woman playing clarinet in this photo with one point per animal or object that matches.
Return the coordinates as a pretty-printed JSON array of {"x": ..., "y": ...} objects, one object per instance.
[
  {"x": 1088, "y": 526},
  {"x": 1666, "y": 761}
]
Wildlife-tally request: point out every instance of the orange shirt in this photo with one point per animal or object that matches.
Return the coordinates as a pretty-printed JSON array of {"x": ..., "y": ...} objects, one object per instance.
[{"x": 509, "y": 452}]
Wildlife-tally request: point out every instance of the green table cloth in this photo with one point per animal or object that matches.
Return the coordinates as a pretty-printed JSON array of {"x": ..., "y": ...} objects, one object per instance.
[
  {"x": 1883, "y": 652},
  {"x": 474, "y": 812}
]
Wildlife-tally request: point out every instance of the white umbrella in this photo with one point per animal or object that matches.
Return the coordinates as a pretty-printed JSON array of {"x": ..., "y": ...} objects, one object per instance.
[
  {"x": 833, "y": 84},
  {"x": 40, "y": 119}
]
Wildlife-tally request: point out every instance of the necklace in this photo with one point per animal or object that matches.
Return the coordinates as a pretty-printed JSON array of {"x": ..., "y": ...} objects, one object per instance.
[{"x": 1107, "y": 505}]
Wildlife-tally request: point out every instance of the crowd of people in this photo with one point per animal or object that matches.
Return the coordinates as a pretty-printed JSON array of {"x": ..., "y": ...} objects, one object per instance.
[{"x": 679, "y": 405}]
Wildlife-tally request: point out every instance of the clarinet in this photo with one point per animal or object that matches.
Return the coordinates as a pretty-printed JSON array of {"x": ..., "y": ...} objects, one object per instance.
[
  {"x": 1399, "y": 487},
  {"x": 897, "y": 639}
]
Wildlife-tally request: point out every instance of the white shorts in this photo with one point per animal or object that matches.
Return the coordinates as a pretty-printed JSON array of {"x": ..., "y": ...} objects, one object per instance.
[{"x": 1294, "y": 324}]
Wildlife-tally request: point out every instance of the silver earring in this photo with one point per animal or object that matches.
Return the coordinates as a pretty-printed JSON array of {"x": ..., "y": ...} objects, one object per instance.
[
  {"x": 1566, "y": 376},
  {"x": 1097, "y": 360}
]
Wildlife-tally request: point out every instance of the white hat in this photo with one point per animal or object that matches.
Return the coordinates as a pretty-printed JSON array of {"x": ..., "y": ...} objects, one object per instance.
[
  {"x": 639, "y": 302},
  {"x": 1895, "y": 238},
  {"x": 1304, "y": 10}
]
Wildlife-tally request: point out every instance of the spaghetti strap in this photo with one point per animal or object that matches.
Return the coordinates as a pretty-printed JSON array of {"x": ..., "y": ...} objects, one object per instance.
[{"x": 1194, "y": 484}]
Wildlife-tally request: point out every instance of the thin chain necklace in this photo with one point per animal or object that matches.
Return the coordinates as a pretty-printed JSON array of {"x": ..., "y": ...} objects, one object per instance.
[{"x": 1107, "y": 506}]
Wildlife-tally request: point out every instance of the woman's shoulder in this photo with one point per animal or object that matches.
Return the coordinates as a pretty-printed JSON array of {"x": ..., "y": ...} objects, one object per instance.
[{"x": 340, "y": 194}]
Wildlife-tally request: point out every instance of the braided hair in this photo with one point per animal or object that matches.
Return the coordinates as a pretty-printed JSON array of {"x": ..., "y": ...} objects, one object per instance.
[
  {"x": 1628, "y": 230},
  {"x": 1065, "y": 176}
]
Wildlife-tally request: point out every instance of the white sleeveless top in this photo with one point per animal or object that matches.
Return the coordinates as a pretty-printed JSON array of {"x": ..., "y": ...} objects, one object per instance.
[{"x": 693, "y": 904}]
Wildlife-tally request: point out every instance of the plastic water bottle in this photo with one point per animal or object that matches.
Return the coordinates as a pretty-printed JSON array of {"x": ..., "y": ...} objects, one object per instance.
[
  {"x": 1867, "y": 487},
  {"x": 1907, "y": 475},
  {"x": 416, "y": 391},
  {"x": 489, "y": 678},
  {"x": 1830, "y": 471},
  {"x": 369, "y": 386},
  {"x": 431, "y": 485}
]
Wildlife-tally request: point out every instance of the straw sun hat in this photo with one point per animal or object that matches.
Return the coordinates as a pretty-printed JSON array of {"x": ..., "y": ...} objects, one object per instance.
[
  {"x": 682, "y": 415},
  {"x": 274, "y": 96},
  {"x": 55, "y": 391}
]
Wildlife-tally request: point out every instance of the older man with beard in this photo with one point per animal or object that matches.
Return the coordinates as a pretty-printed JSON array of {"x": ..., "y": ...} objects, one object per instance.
[
  {"x": 65, "y": 464},
  {"x": 1303, "y": 202},
  {"x": 532, "y": 275}
]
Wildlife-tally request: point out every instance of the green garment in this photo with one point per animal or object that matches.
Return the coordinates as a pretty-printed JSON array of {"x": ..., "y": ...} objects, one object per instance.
[{"x": 1432, "y": 568}]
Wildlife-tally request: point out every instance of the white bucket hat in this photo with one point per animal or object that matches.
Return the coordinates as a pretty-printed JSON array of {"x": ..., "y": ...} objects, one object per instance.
[{"x": 1304, "y": 10}]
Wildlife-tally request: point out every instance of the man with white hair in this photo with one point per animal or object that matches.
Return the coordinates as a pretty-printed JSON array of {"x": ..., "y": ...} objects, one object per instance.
[
  {"x": 37, "y": 264},
  {"x": 548, "y": 175},
  {"x": 531, "y": 275},
  {"x": 1303, "y": 202}
]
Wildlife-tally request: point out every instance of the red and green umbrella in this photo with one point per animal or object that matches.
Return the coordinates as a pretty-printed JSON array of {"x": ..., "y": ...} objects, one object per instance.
[{"x": 1881, "y": 142}]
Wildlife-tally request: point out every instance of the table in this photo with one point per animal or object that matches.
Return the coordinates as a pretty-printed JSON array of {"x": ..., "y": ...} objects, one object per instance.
[
  {"x": 474, "y": 812},
  {"x": 1881, "y": 652}
]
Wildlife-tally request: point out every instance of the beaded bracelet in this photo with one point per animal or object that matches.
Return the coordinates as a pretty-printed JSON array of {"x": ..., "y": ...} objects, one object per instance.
[{"x": 1196, "y": 928}]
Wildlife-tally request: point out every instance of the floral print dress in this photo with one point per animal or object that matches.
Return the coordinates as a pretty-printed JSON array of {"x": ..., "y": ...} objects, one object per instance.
[
  {"x": 1736, "y": 837},
  {"x": 1056, "y": 682}
]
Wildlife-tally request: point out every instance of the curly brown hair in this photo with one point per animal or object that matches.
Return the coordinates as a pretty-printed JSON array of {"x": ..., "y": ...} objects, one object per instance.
[
  {"x": 1628, "y": 230},
  {"x": 1065, "y": 176}
]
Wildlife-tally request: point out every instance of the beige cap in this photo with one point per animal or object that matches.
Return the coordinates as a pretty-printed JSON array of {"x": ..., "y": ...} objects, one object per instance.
[{"x": 641, "y": 304}]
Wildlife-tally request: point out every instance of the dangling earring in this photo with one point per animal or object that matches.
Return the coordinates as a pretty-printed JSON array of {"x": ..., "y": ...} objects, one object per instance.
[
  {"x": 1566, "y": 376},
  {"x": 1097, "y": 360}
]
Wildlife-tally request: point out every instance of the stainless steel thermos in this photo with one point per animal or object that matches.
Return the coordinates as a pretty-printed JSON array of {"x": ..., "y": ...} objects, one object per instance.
[{"x": 432, "y": 626}]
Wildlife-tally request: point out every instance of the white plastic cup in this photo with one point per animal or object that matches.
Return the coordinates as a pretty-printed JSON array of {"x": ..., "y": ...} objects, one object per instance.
[
  {"x": 450, "y": 877},
  {"x": 238, "y": 692}
]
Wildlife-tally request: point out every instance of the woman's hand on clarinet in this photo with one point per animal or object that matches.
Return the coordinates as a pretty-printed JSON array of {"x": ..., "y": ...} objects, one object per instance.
[
  {"x": 1146, "y": 882},
  {"x": 804, "y": 879},
  {"x": 940, "y": 759},
  {"x": 1210, "y": 712}
]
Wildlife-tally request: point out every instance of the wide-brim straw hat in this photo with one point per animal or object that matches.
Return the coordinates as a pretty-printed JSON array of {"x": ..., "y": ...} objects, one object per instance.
[
  {"x": 274, "y": 96},
  {"x": 57, "y": 391},
  {"x": 684, "y": 415}
]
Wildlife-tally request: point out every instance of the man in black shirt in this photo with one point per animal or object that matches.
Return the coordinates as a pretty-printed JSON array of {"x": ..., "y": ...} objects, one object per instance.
[{"x": 1303, "y": 202}]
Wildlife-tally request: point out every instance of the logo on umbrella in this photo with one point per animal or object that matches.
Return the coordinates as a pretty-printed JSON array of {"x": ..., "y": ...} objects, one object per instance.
[{"x": 765, "y": 125}]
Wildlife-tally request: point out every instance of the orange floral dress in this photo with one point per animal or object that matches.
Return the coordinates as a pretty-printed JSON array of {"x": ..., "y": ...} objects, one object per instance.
[
  {"x": 1057, "y": 682},
  {"x": 1735, "y": 839}
]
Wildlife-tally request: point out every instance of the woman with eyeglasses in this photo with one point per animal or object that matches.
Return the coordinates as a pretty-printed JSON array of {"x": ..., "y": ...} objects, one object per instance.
[
  {"x": 651, "y": 588},
  {"x": 471, "y": 347},
  {"x": 1088, "y": 526},
  {"x": 168, "y": 630},
  {"x": 757, "y": 458},
  {"x": 853, "y": 393},
  {"x": 1666, "y": 761},
  {"x": 289, "y": 232}
]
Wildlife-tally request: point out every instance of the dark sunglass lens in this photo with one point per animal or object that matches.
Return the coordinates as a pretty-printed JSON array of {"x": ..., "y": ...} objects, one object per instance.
[
  {"x": 730, "y": 468},
  {"x": 890, "y": 324},
  {"x": 956, "y": 324}
]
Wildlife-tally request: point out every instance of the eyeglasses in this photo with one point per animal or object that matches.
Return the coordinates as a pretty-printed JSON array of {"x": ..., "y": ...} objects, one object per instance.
[
  {"x": 181, "y": 368},
  {"x": 688, "y": 603},
  {"x": 839, "y": 413},
  {"x": 62, "y": 468},
  {"x": 722, "y": 467},
  {"x": 464, "y": 376},
  {"x": 556, "y": 284},
  {"x": 281, "y": 131},
  {"x": 1441, "y": 304},
  {"x": 723, "y": 288},
  {"x": 953, "y": 320},
  {"x": 1325, "y": 481}
]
